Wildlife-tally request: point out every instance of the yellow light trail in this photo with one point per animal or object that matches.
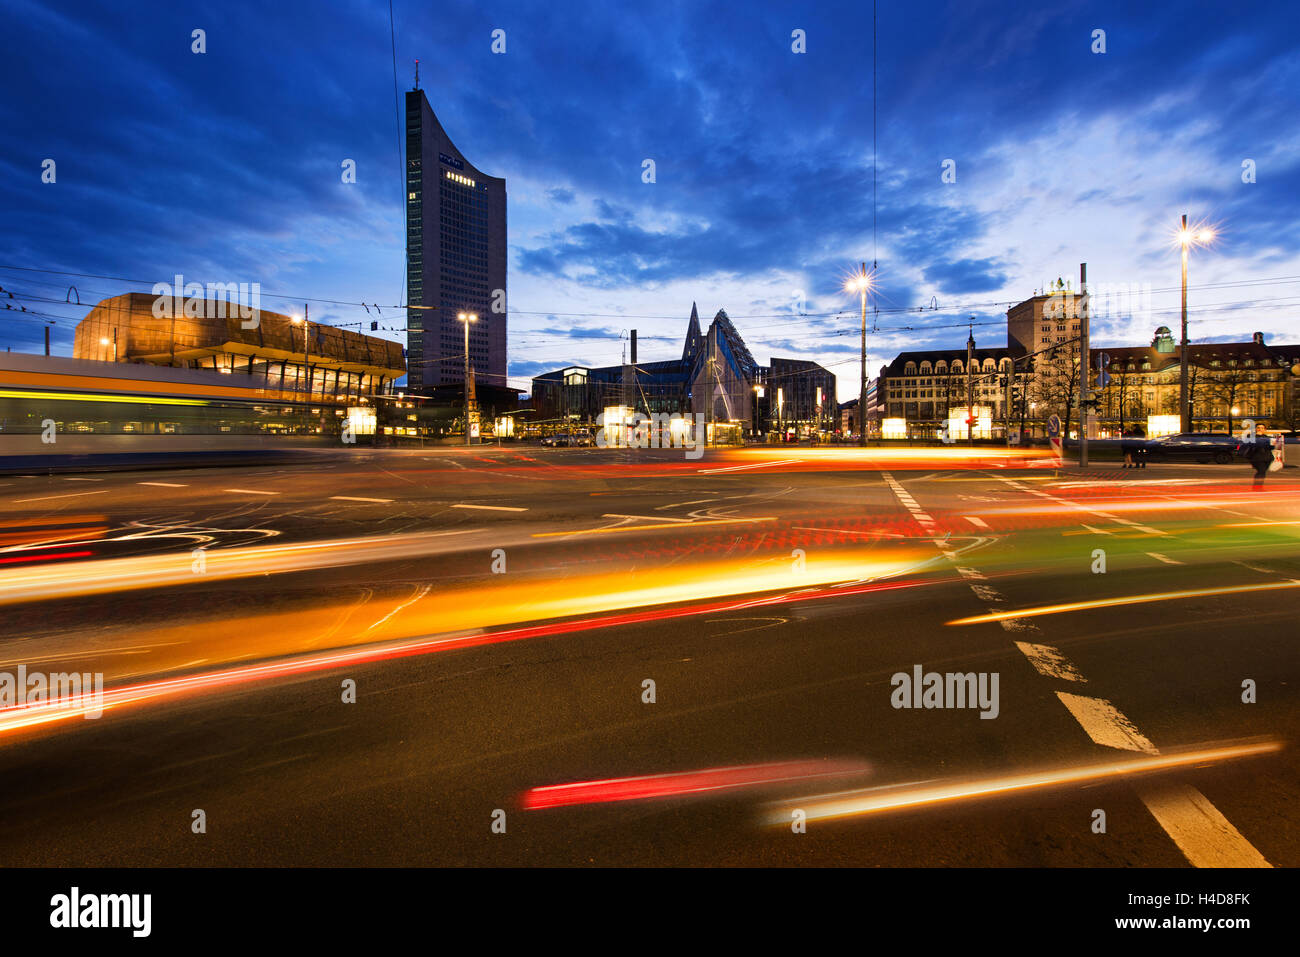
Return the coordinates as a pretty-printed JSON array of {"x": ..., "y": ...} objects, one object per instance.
[
  {"x": 83, "y": 396},
  {"x": 497, "y": 601},
  {"x": 156, "y": 571},
  {"x": 876, "y": 800},
  {"x": 642, "y": 528},
  {"x": 1121, "y": 600}
]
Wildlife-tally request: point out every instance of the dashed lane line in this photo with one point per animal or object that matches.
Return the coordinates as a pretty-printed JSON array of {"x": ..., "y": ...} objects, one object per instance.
[
  {"x": 1050, "y": 662},
  {"x": 1197, "y": 827},
  {"x": 1200, "y": 831},
  {"x": 1109, "y": 516},
  {"x": 46, "y": 498},
  {"x": 1105, "y": 723}
]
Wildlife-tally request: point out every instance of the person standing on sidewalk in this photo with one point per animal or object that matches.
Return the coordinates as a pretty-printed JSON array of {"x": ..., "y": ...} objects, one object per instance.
[{"x": 1139, "y": 447}]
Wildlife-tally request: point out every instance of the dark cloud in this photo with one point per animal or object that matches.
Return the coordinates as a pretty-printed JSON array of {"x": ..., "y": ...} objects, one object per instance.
[
  {"x": 966, "y": 275},
  {"x": 226, "y": 165}
]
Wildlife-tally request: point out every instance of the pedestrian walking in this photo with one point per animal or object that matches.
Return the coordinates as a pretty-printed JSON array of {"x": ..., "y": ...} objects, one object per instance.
[
  {"x": 1259, "y": 453},
  {"x": 1127, "y": 446}
]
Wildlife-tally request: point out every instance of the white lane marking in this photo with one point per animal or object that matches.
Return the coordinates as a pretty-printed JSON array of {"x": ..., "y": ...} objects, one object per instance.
[
  {"x": 165, "y": 484},
  {"x": 1256, "y": 568},
  {"x": 1202, "y": 833},
  {"x": 977, "y": 521},
  {"x": 1165, "y": 558},
  {"x": 1050, "y": 662},
  {"x": 646, "y": 518},
  {"x": 986, "y": 593},
  {"x": 492, "y": 508},
  {"x": 1098, "y": 531},
  {"x": 1018, "y": 624},
  {"x": 758, "y": 465},
  {"x": 970, "y": 573},
  {"x": 1205, "y": 837},
  {"x": 908, "y": 502},
  {"x": 1105, "y": 724},
  {"x": 1145, "y": 529},
  {"x": 46, "y": 498},
  {"x": 249, "y": 491},
  {"x": 67, "y": 478},
  {"x": 355, "y": 498}
]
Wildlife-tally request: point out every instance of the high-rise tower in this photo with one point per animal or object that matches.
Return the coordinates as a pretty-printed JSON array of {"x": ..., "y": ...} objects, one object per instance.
[{"x": 455, "y": 258}]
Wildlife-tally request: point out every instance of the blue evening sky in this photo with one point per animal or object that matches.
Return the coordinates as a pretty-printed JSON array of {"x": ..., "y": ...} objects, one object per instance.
[{"x": 225, "y": 166}]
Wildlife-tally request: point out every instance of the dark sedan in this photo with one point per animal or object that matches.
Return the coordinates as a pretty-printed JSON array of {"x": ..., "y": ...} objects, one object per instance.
[{"x": 1216, "y": 447}]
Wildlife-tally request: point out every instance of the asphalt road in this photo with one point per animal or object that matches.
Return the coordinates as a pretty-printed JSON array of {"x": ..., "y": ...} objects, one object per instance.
[{"x": 500, "y": 611}]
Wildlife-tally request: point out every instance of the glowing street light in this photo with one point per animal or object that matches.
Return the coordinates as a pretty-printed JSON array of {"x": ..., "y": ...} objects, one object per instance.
[
  {"x": 298, "y": 320},
  {"x": 467, "y": 318},
  {"x": 1199, "y": 235},
  {"x": 861, "y": 283}
]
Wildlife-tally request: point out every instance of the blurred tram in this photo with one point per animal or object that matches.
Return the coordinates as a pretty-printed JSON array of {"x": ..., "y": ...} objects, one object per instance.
[{"x": 66, "y": 413}]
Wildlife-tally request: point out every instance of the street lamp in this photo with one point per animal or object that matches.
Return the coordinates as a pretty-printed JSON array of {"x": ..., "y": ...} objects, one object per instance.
[
  {"x": 306, "y": 349},
  {"x": 1200, "y": 235},
  {"x": 467, "y": 318},
  {"x": 860, "y": 283},
  {"x": 105, "y": 342}
]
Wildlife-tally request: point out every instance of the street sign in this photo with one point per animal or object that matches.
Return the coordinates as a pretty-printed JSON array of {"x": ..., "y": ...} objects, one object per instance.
[
  {"x": 1103, "y": 377},
  {"x": 1054, "y": 438}
]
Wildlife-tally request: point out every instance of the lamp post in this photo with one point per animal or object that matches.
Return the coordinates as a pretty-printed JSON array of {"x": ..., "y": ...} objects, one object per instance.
[
  {"x": 1187, "y": 238},
  {"x": 467, "y": 318},
  {"x": 306, "y": 346},
  {"x": 102, "y": 342},
  {"x": 860, "y": 284}
]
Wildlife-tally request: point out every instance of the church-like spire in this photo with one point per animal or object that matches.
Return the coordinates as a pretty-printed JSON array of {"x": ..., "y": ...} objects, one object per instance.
[{"x": 691, "y": 348}]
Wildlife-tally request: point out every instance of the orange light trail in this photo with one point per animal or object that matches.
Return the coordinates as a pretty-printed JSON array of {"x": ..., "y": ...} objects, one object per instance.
[
  {"x": 685, "y": 783},
  {"x": 620, "y": 529},
  {"x": 1121, "y": 600},
  {"x": 20, "y": 717},
  {"x": 877, "y": 800}
]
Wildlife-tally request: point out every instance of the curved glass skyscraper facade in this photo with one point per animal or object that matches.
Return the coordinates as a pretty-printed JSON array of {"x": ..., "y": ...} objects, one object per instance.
[{"x": 455, "y": 258}]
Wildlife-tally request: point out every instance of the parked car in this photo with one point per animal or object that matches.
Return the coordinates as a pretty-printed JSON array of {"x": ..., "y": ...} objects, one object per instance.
[
  {"x": 1217, "y": 447},
  {"x": 565, "y": 440}
]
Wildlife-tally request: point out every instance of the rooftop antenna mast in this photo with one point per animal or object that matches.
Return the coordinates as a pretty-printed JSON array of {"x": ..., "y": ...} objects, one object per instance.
[{"x": 417, "y": 73}]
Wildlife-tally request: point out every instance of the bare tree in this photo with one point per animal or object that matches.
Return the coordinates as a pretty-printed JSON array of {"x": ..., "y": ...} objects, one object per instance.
[
  {"x": 1228, "y": 384},
  {"x": 1057, "y": 384}
]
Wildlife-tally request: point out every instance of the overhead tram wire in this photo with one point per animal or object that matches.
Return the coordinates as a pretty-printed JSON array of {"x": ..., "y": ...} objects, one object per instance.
[
  {"x": 401, "y": 164},
  {"x": 786, "y": 319}
]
